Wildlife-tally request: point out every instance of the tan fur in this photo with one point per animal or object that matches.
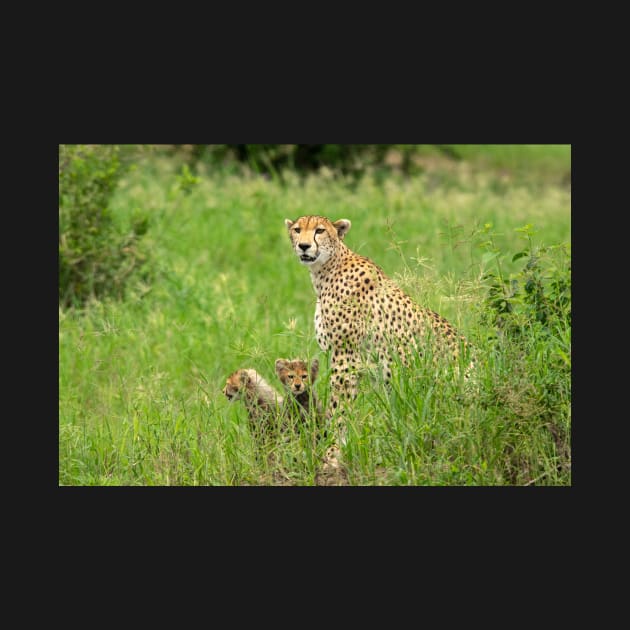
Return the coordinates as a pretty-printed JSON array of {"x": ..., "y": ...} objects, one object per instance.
[
  {"x": 261, "y": 400},
  {"x": 298, "y": 380}
]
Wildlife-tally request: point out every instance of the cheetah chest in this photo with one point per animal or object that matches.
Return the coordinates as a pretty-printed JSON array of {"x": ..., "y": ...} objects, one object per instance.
[{"x": 340, "y": 320}]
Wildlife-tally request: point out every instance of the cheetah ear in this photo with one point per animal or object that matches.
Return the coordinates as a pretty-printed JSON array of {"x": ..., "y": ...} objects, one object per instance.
[
  {"x": 343, "y": 227},
  {"x": 288, "y": 223},
  {"x": 280, "y": 363},
  {"x": 314, "y": 369}
]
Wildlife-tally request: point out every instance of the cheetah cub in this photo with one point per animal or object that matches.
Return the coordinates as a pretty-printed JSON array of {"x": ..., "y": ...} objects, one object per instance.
[
  {"x": 298, "y": 381},
  {"x": 261, "y": 400}
]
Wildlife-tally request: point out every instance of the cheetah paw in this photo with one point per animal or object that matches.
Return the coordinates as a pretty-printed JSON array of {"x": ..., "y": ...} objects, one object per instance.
[{"x": 331, "y": 460}]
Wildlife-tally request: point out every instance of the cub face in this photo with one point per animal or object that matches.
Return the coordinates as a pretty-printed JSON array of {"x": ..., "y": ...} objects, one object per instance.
[
  {"x": 315, "y": 239},
  {"x": 295, "y": 375},
  {"x": 235, "y": 385}
]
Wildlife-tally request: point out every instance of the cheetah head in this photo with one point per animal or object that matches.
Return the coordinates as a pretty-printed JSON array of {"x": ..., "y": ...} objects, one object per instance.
[
  {"x": 295, "y": 375},
  {"x": 235, "y": 385},
  {"x": 315, "y": 239}
]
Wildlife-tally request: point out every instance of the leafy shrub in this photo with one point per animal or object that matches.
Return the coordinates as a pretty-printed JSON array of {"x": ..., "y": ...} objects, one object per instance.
[
  {"x": 531, "y": 313},
  {"x": 539, "y": 295},
  {"x": 96, "y": 258}
]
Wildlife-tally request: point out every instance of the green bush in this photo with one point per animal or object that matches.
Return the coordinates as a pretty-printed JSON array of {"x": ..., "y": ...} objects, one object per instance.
[
  {"x": 96, "y": 256},
  {"x": 530, "y": 311},
  {"x": 539, "y": 295}
]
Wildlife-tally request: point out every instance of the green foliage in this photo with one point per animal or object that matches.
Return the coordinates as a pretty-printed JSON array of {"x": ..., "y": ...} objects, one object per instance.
[
  {"x": 96, "y": 257},
  {"x": 527, "y": 316},
  {"x": 186, "y": 181},
  {"x": 539, "y": 294}
]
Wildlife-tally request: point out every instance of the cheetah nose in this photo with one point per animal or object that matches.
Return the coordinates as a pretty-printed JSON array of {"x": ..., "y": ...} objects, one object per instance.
[
  {"x": 297, "y": 385},
  {"x": 304, "y": 246}
]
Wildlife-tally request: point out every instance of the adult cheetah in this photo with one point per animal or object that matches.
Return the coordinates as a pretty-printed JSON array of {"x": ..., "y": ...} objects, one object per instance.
[{"x": 359, "y": 309}]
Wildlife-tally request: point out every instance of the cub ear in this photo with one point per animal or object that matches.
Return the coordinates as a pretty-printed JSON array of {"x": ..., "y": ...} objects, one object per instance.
[
  {"x": 343, "y": 227},
  {"x": 314, "y": 369},
  {"x": 289, "y": 223},
  {"x": 280, "y": 363}
]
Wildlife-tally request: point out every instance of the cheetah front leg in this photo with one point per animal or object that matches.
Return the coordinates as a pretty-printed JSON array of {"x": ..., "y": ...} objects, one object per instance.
[{"x": 343, "y": 389}]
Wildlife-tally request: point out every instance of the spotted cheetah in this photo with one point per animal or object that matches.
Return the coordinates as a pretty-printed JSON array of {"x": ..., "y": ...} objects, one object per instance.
[
  {"x": 359, "y": 309},
  {"x": 301, "y": 400},
  {"x": 262, "y": 401}
]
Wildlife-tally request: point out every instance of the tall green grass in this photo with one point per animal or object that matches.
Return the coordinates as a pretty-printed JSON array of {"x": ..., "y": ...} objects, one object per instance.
[{"x": 140, "y": 380}]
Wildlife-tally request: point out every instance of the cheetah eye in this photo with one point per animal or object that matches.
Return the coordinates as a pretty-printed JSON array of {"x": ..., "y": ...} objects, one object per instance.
[
  {"x": 290, "y": 376},
  {"x": 320, "y": 231},
  {"x": 297, "y": 230}
]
